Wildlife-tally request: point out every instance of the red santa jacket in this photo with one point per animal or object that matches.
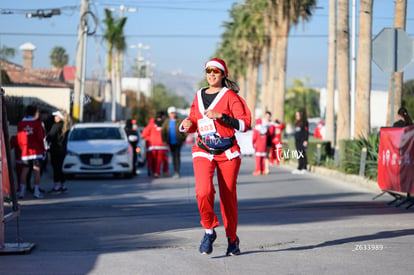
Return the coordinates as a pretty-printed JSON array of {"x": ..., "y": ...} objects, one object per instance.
[
  {"x": 259, "y": 139},
  {"x": 226, "y": 102},
  {"x": 17, "y": 151},
  {"x": 30, "y": 137},
  {"x": 152, "y": 134}
]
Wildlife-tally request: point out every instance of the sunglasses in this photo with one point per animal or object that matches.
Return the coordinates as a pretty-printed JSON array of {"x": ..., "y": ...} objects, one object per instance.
[{"x": 214, "y": 70}]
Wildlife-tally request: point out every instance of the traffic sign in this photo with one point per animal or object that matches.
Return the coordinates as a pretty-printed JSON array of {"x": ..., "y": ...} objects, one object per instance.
[{"x": 392, "y": 50}]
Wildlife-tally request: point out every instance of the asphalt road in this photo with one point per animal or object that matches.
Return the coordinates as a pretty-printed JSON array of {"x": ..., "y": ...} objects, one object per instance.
[{"x": 288, "y": 224}]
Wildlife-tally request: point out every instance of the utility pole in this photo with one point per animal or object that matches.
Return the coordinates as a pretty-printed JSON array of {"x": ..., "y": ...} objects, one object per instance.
[
  {"x": 140, "y": 60},
  {"x": 80, "y": 62}
]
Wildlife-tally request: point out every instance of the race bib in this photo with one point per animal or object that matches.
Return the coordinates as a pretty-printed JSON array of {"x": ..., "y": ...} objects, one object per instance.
[{"x": 206, "y": 127}]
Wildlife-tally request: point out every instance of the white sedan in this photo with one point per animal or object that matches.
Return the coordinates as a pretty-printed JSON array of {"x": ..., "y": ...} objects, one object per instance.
[{"x": 98, "y": 148}]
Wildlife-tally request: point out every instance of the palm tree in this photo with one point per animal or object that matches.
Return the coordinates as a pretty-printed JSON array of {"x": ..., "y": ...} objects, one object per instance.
[
  {"x": 120, "y": 46},
  {"x": 331, "y": 80},
  {"x": 363, "y": 89},
  {"x": 233, "y": 49},
  {"x": 287, "y": 13},
  {"x": 400, "y": 18},
  {"x": 343, "y": 120},
  {"x": 109, "y": 36},
  {"x": 58, "y": 57},
  {"x": 272, "y": 75},
  {"x": 252, "y": 22},
  {"x": 265, "y": 64},
  {"x": 116, "y": 40}
]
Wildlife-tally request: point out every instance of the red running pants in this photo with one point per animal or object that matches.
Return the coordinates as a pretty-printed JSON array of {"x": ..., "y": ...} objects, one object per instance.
[{"x": 227, "y": 172}]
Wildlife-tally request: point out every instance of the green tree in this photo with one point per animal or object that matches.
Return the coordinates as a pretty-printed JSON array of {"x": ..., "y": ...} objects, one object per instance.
[
  {"x": 301, "y": 97},
  {"x": 58, "y": 57},
  {"x": 162, "y": 98},
  {"x": 7, "y": 52},
  {"x": 408, "y": 97}
]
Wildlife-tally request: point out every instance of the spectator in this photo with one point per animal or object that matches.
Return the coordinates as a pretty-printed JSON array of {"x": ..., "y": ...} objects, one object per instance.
[
  {"x": 404, "y": 118},
  {"x": 301, "y": 141},
  {"x": 133, "y": 140},
  {"x": 30, "y": 138},
  {"x": 174, "y": 138},
  {"x": 57, "y": 138}
]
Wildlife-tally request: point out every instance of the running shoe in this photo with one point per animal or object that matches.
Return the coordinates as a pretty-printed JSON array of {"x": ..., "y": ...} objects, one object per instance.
[
  {"x": 206, "y": 246},
  {"x": 233, "y": 248}
]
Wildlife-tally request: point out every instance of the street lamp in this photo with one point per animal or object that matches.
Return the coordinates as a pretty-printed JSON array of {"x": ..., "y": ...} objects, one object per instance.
[
  {"x": 140, "y": 59},
  {"x": 123, "y": 9}
]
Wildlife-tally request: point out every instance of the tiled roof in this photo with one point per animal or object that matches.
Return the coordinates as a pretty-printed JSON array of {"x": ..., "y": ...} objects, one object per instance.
[{"x": 33, "y": 77}]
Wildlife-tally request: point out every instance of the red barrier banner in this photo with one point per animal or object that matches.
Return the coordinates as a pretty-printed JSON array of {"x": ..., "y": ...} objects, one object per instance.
[{"x": 396, "y": 160}]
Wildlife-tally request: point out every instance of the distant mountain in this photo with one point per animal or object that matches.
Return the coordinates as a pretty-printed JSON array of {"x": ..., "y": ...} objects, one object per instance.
[{"x": 179, "y": 83}]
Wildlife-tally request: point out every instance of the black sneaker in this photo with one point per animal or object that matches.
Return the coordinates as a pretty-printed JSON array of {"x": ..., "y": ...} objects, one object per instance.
[
  {"x": 233, "y": 248},
  {"x": 206, "y": 246},
  {"x": 63, "y": 189}
]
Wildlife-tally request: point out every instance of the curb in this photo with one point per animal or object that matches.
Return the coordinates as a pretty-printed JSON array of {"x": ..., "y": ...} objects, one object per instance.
[{"x": 330, "y": 173}]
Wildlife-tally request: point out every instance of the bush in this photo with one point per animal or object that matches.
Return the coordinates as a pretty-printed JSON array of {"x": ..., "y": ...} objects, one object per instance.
[
  {"x": 350, "y": 152},
  {"x": 312, "y": 151}
]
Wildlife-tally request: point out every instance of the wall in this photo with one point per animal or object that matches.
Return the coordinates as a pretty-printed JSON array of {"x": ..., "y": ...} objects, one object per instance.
[{"x": 59, "y": 98}]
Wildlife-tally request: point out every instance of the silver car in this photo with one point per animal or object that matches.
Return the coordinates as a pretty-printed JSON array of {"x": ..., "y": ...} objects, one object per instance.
[{"x": 98, "y": 148}]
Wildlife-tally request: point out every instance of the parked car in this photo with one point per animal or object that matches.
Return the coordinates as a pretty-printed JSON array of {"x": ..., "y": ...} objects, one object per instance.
[{"x": 98, "y": 148}]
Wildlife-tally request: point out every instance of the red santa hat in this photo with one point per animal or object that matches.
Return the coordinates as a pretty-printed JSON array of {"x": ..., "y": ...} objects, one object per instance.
[
  {"x": 219, "y": 63},
  {"x": 258, "y": 121}
]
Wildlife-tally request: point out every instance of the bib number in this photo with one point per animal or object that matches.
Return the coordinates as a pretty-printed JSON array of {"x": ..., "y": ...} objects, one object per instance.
[{"x": 206, "y": 127}]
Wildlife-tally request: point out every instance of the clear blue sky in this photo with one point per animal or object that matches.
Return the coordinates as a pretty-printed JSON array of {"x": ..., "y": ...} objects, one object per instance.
[{"x": 182, "y": 34}]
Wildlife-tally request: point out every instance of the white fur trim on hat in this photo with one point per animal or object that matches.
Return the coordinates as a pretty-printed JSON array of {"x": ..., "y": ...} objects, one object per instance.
[{"x": 215, "y": 64}]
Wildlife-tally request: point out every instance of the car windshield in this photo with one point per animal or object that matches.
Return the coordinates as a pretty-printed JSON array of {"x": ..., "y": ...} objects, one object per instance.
[{"x": 94, "y": 133}]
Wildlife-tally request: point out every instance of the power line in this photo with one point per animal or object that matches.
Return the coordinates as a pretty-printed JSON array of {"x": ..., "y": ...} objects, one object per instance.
[{"x": 157, "y": 35}]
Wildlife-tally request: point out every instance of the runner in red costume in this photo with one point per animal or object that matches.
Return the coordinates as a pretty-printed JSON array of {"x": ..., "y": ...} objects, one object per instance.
[
  {"x": 277, "y": 142},
  {"x": 259, "y": 144},
  {"x": 157, "y": 148},
  {"x": 216, "y": 113}
]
